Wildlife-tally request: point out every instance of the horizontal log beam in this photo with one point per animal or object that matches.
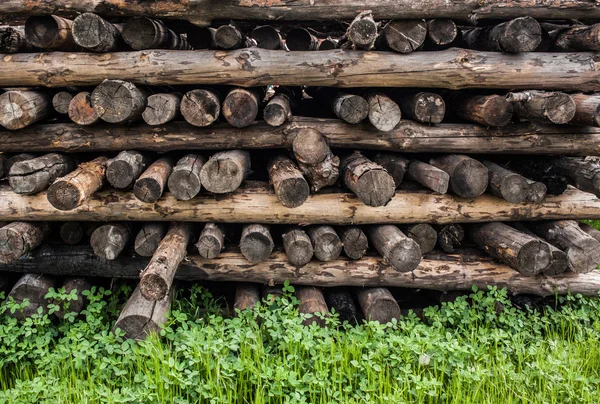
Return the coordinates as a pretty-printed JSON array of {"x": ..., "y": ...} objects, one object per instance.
[
  {"x": 407, "y": 137},
  {"x": 204, "y": 11},
  {"x": 437, "y": 271},
  {"x": 452, "y": 69},
  {"x": 260, "y": 205}
]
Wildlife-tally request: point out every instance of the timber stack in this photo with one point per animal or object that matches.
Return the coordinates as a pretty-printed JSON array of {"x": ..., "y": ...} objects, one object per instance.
[{"x": 349, "y": 149}]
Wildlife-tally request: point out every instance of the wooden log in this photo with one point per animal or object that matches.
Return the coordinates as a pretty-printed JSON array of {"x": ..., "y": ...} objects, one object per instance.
[
  {"x": 70, "y": 191},
  {"x": 350, "y": 108},
  {"x": 118, "y": 101},
  {"x": 424, "y": 235},
  {"x": 157, "y": 277},
  {"x": 395, "y": 165},
  {"x": 537, "y": 191},
  {"x": 300, "y": 39},
  {"x": 315, "y": 159},
  {"x": 468, "y": 177},
  {"x": 488, "y": 110},
  {"x": 354, "y": 242},
  {"x": 94, "y": 33},
  {"x": 590, "y": 231},
  {"x": 225, "y": 171},
  {"x": 142, "y": 33},
  {"x": 362, "y": 31},
  {"x": 401, "y": 252},
  {"x": 72, "y": 232},
  {"x": 403, "y": 36},
  {"x": 379, "y": 305},
  {"x": 78, "y": 285},
  {"x": 19, "y": 238},
  {"x": 429, "y": 176},
  {"x": 247, "y": 296},
  {"x": 201, "y": 37},
  {"x": 109, "y": 240},
  {"x": 384, "y": 113},
  {"x": 229, "y": 37},
  {"x": 422, "y": 106},
  {"x": 13, "y": 40},
  {"x": 29, "y": 177},
  {"x": 545, "y": 107},
  {"x": 584, "y": 174},
  {"x": 10, "y": 161},
  {"x": 441, "y": 31},
  {"x": 278, "y": 110},
  {"x": 340, "y": 301},
  {"x": 123, "y": 170},
  {"x": 50, "y": 32},
  {"x": 33, "y": 288},
  {"x": 201, "y": 107},
  {"x": 522, "y": 34},
  {"x": 240, "y": 107},
  {"x": 587, "y": 110},
  {"x": 256, "y": 243},
  {"x": 150, "y": 186},
  {"x": 81, "y": 110},
  {"x": 211, "y": 241},
  {"x": 149, "y": 237},
  {"x": 541, "y": 170},
  {"x": 518, "y": 250},
  {"x": 289, "y": 184},
  {"x": 184, "y": 182},
  {"x": 578, "y": 38},
  {"x": 267, "y": 37},
  {"x": 61, "y": 101},
  {"x": 558, "y": 263},
  {"x": 162, "y": 108},
  {"x": 312, "y": 304},
  {"x": 450, "y": 236},
  {"x": 271, "y": 292},
  {"x": 21, "y": 108},
  {"x": 328, "y": 44},
  {"x": 583, "y": 251},
  {"x": 326, "y": 243},
  {"x": 507, "y": 184},
  {"x": 369, "y": 181},
  {"x": 141, "y": 318},
  {"x": 298, "y": 247}
]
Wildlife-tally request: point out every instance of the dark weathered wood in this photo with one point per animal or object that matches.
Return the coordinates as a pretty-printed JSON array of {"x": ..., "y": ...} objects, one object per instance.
[
  {"x": 558, "y": 263},
  {"x": 94, "y": 33},
  {"x": 369, "y": 181},
  {"x": 441, "y": 31},
  {"x": 229, "y": 37},
  {"x": 50, "y": 32},
  {"x": 384, "y": 113},
  {"x": 297, "y": 246},
  {"x": 544, "y": 107},
  {"x": 522, "y": 34},
  {"x": 422, "y": 106},
  {"x": 13, "y": 40},
  {"x": 33, "y": 288},
  {"x": 142, "y": 33},
  {"x": 271, "y": 292},
  {"x": 78, "y": 285},
  {"x": 315, "y": 159},
  {"x": 394, "y": 164},
  {"x": 225, "y": 171},
  {"x": 583, "y": 251},
  {"x": 72, "y": 232},
  {"x": 328, "y": 44},
  {"x": 157, "y": 277},
  {"x": 424, "y": 234},
  {"x": 123, "y": 170},
  {"x": 267, "y": 37},
  {"x": 362, "y": 31},
  {"x": 109, "y": 240},
  {"x": 247, "y": 295},
  {"x": 151, "y": 184},
  {"x": 3, "y": 160},
  {"x": 61, "y": 101},
  {"x": 240, "y": 107},
  {"x": 429, "y": 176},
  {"x": 149, "y": 237},
  {"x": 162, "y": 108},
  {"x": 468, "y": 177},
  {"x": 211, "y": 241},
  {"x": 537, "y": 191},
  {"x": 300, "y": 39},
  {"x": 587, "y": 110},
  {"x": 29, "y": 177},
  {"x": 289, "y": 184},
  {"x": 21, "y": 108},
  {"x": 489, "y": 110},
  {"x": 19, "y": 238},
  {"x": 312, "y": 303},
  {"x": 140, "y": 317},
  {"x": 256, "y": 243},
  {"x": 403, "y": 36},
  {"x": 518, "y": 250},
  {"x": 378, "y": 304},
  {"x": 184, "y": 182},
  {"x": 401, "y": 252},
  {"x": 507, "y": 184},
  {"x": 584, "y": 174},
  {"x": 351, "y": 108},
  {"x": 326, "y": 243},
  {"x": 542, "y": 170},
  {"x": 578, "y": 38},
  {"x": 450, "y": 236},
  {"x": 340, "y": 301},
  {"x": 70, "y": 191},
  {"x": 81, "y": 110},
  {"x": 201, "y": 37},
  {"x": 278, "y": 110},
  {"x": 118, "y": 101},
  {"x": 201, "y": 107},
  {"x": 354, "y": 241}
]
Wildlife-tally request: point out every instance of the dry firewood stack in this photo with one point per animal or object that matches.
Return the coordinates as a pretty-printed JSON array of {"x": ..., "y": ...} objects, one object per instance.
[{"x": 350, "y": 150}]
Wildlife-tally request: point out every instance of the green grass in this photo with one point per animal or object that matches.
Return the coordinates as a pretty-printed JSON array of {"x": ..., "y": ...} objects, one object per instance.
[{"x": 463, "y": 352}]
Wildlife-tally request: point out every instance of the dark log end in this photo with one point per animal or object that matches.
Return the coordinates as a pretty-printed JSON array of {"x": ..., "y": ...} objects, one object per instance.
[
  {"x": 300, "y": 39},
  {"x": 405, "y": 36},
  {"x": 153, "y": 287},
  {"x": 228, "y": 37},
  {"x": 425, "y": 236},
  {"x": 143, "y": 33},
  {"x": 384, "y": 311},
  {"x": 71, "y": 232},
  {"x": 200, "y": 107},
  {"x": 43, "y": 31},
  {"x": 147, "y": 190},
  {"x": 63, "y": 195},
  {"x": 355, "y": 242},
  {"x": 559, "y": 263},
  {"x": 429, "y": 108},
  {"x": 266, "y": 37},
  {"x": 351, "y": 108},
  {"x": 328, "y": 44},
  {"x": 441, "y": 31},
  {"x": 469, "y": 179},
  {"x": 276, "y": 113},
  {"x": 522, "y": 34},
  {"x": 148, "y": 238},
  {"x": 256, "y": 247},
  {"x": 405, "y": 255},
  {"x": 298, "y": 248},
  {"x": 497, "y": 111},
  {"x": 375, "y": 188},
  {"x": 515, "y": 189},
  {"x": 341, "y": 301},
  {"x": 450, "y": 236},
  {"x": 293, "y": 192},
  {"x": 120, "y": 174},
  {"x": 201, "y": 37},
  {"x": 240, "y": 107},
  {"x": 534, "y": 257},
  {"x": 363, "y": 32}
]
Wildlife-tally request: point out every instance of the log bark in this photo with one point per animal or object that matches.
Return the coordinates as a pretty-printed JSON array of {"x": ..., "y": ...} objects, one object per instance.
[
  {"x": 278, "y": 110},
  {"x": 162, "y": 108},
  {"x": 424, "y": 235},
  {"x": 267, "y": 37},
  {"x": 429, "y": 176},
  {"x": 225, "y": 171},
  {"x": 362, "y": 31},
  {"x": 94, "y": 33},
  {"x": 297, "y": 246},
  {"x": 142, "y": 33},
  {"x": 583, "y": 174},
  {"x": 544, "y": 107},
  {"x": 123, "y": 170},
  {"x": 28, "y": 177},
  {"x": 587, "y": 110},
  {"x": 369, "y": 181},
  {"x": 312, "y": 303},
  {"x": 340, "y": 301},
  {"x": 70, "y": 191},
  {"x": 289, "y": 184},
  {"x": 109, "y": 240},
  {"x": 401, "y": 252},
  {"x": 315, "y": 159},
  {"x": 522, "y": 34},
  {"x": 354, "y": 241},
  {"x": 422, "y": 106},
  {"x": 384, "y": 113},
  {"x": 81, "y": 110},
  {"x": 61, "y": 101},
  {"x": 441, "y": 31},
  {"x": 211, "y": 241},
  {"x": 300, "y": 39},
  {"x": 13, "y": 40},
  {"x": 256, "y": 243},
  {"x": 33, "y": 288},
  {"x": 141, "y": 318},
  {"x": 201, "y": 37},
  {"x": 450, "y": 236},
  {"x": 78, "y": 285},
  {"x": 157, "y": 277},
  {"x": 271, "y": 292},
  {"x": 488, "y": 110},
  {"x": 240, "y": 107},
  {"x": 118, "y": 101},
  {"x": 149, "y": 237},
  {"x": 395, "y": 165},
  {"x": 247, "y": 295},
  {"x": 50, "y": 32},
  {"x": 578, "y": 38},
  {"x": 229, "y": 37},
  {"x": 326, "y": 243},
  {"x": 21, "y": 108},
  {"x": 507, "y": 184},
  {"x": 150, "y": 186},
  {"x": 379, "y": 305},
  {"x": 201, "y": 107},
  {"x": 350, "y": 108},
  {"x": 19, "y": 238},
  {"x": 558, "y": 263},
  {"x": 184, "y": 182},
  {"x": 403, "y": 36},
  {"x": 72, "y": 232},
  {"x": 583, "y": 251},
  {"x": 468, "y": 177}
]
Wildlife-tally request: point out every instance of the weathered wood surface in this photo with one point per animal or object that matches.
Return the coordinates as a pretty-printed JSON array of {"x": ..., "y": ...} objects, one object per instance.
[
  {"x": 452, "y": 69},
  {"x": 140, "y": 317},
  {"x": 407, "y": 136},
  {"x": 378, "y": 304},
  {"x": 34, "y": 288},
  {"x": 247, "y": 295},
  {"x": 184, "y": 182},
  {"x": 312, "y": 302},
  {"x": 260, "y": 204},
  {"x": 297, "y": 246},
  {"x": 436, "y": 271}
]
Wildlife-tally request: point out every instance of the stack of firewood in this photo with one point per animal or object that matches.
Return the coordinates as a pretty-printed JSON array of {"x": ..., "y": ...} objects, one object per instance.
[{"x": 403, "y": 152}]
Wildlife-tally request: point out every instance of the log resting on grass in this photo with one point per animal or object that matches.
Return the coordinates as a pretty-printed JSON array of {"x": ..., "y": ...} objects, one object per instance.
[
  {"x": 378, "y": 304},
  {"x": 453, "y": 69},
  {"x": 78, "y": 285},
  {"x": 247, "y": 295},
  {"x": 140, "y": 317},
  {"x": 34, "y": 288}
]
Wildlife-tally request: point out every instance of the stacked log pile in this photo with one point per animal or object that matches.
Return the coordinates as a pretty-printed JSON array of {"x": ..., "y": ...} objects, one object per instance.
[{"x": 346, "y": 148}]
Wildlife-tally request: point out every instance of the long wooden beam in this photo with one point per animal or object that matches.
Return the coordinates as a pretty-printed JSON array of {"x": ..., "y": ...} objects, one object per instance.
[
  {"x": 407, "y": 137},
  {"x": 204, "y": 11},
  {"x": 437, "y": 271},
  {"x": 452, "y": 68},
  {"x": 260, "y": 205}
]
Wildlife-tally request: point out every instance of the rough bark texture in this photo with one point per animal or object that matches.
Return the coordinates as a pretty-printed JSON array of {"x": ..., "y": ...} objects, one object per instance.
[
  {"x": 441, "y": 31},
  {"x": 544, "y": 107},
  {"x": 450, "y": 236},
  {"x": 118, "y": 101},
  {"x": 522, "y": 34},
  {"x": 267, "y": 37},
  {"x": 429, "y": 176},
  {"x": 201, "y": 107},
  {"x": 468, "y": 177},
  {"x": 184, "y": 182},
  {"x": 240, "y": 107},
  {"x": 395, "y": 165},
  {"x": 74, "y": 306},
  {"x": 369, "y": 181},
  {"x": 507, "y": 184},
  {"x": 300, "y": 39},
  {"x": 9, "y": 162},
  {"x": 211, "y": 241},
  {"x": 289, "y": 184},
  {"x": 81, "y": 110},
  {"x": 256, "y": 243},
  {"x": 50, "y": 32},
  {"x": 34, "y": 288},
  {"x": 162, "y": 108},
  {"x": 424, "y": 234},
  {"x": 21, "y": 108},
  {"x": 403, "y": 36},
  {"x": 225, "y": 171},
  {"x": 351, "y": 108},
  {"x": 61, "y": 101},
  {"x": 587, "y": 110},
  {"x": 340, "y": 301},
  {"x": 123, "y": 170},
  {"x": 326, "y": 243},
  {"x": 109, "y": 240},
  {"x": 19, "y": 238},
  {"x": 149, "y": 237},
  {"x": 362, "y": 31},
  {"x": 401, "y": 252},
  {"x": 297, "y": 246},
  {"x": 384, "y": 113},
  {"x": 140, "y": 317},
  {"x": 28, "y": 177},
  {"x": 247, "y": 295},
  {"x": 312, "y": 303},
  {"x": 378, "y": 304},
  {"x": 94, "y": 33},
  {"x": 488, "y": 110},
  {"x": 354, "y": 241},
  {"x": 422, "y": 106},
  {"x": 583, "y": 174},
  {"x": 579, "y": 38},
  {"x": 150, "y": 186}
]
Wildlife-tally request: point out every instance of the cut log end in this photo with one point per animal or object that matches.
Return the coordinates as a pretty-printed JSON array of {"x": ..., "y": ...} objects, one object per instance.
[
  {"x": 405, "y": 255},
  {"x": 405, "y": 36},
  {"x": 225, "y": 171},
  {"x": 298, "y": 247},
  {"x": 48, "y": 31},
  {"x": 424, "y": 235},
  {"x": 354, "y": 241},
  {"x": 522, "y": 34},
  {"x": 301, "y": 39},
  {"x": 428, "y": 108},
  {"x": 71, "y": 232},
  {"x": 148, "y": 238},
  {"x": 293, "y": 192},
  {"x": 496, "y": 111},
  {"x": 109, "y": 240},
  {"x": 583, "y": 259},
  {"x": 560, "y": 108},
  {"x": 209, "y": 246},
  {"x": 228, "y": 37},
  {"x": 441, "y": 31},
  {"x": 81, "y": 110},
  {"x": 61, "y": 101},
  {"x": 64, "y": 195},
  {"x": 363, "y": 32},
  {"x": 256, "y": 243},
  {"x": 534, "y": 257},
  {"x": 375, "y": 188},
  {"x": 240, "y": 107},
  {"x": 350, "y": 108},
  {"x": 92, "y": 32},
  {"x": 379, "y": 305},
  {"x": 117, "y": 101},
  {"x": 161, "y": 108},
  {"x": 200, "y": 107},
  {"x": 469, "y": 179},
  {"x": 384, "y": 114},
  {"x": 153, "y": 287},
  {"x": 120, "y": 174},
  {"x": 147, "y": 190},
  {"x": 266, "y": 37}
]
